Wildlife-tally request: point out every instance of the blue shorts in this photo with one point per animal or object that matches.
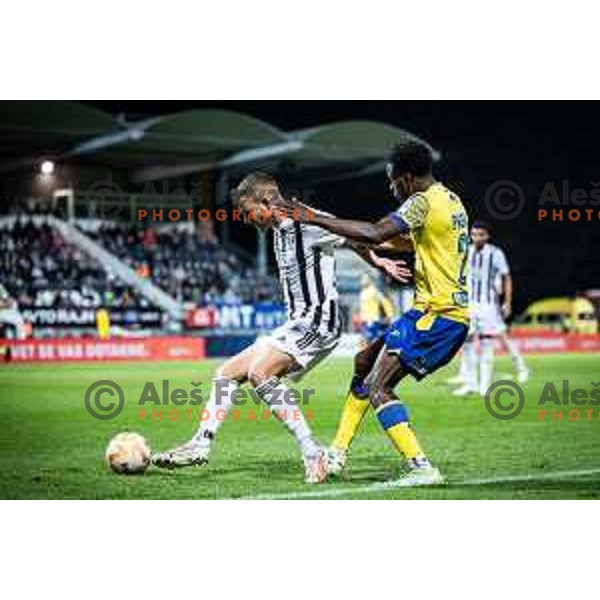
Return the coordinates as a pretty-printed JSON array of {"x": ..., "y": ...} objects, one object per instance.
[
  {"x": 375, "y": 330},
  {"x": 424, "y": 348}
]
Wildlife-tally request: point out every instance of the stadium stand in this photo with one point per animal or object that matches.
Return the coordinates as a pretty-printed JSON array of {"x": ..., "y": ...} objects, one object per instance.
[
  {"x": 189, "y": 266},
  {"x": 64, "y": 251},
  {"x": 39, "y": 268}
]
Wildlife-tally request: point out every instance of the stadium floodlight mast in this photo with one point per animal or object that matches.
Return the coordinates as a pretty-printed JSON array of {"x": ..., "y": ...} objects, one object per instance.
[{"x": 47, "y": 167}]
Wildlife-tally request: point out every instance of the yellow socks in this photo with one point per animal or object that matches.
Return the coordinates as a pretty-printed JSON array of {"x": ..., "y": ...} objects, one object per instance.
[
  {"x": 352, "y": 415},
  {"x": 393, "y": 417},
  {"x": 394, "y": 420}
]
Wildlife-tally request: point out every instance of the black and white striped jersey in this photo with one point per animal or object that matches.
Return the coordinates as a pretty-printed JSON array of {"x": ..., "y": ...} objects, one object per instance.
[
  {"x": 486, "y": 266},
  {"x": 306, "y": 263}
]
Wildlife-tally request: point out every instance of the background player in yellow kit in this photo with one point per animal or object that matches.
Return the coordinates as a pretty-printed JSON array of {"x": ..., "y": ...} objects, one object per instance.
[
  {"x": 428, "y": 336},
  {"x": 103, "y": 323},
  {"x": 375, "y": 310}
]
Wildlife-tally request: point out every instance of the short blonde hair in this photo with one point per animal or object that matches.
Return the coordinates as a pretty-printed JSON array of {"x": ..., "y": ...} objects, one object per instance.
[{"x": 251, "y": 184}]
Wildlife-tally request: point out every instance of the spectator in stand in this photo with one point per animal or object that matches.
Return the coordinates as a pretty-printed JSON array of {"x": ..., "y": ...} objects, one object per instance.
[
  {"x": 187, "y": 263},
  {"x": 40, "y": 269}
]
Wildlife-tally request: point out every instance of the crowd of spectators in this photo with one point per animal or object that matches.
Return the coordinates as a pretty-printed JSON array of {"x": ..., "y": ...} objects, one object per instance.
[
  {"x": 39, "y": 268},
  {"x": 187, "y": 263}
]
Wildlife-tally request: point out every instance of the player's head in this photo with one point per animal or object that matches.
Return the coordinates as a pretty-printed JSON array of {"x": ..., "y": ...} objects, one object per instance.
[
  {"x": 481, "y": 233},
  {"x": 408, "y": 164},
  {"x": 255, "y": 196}
]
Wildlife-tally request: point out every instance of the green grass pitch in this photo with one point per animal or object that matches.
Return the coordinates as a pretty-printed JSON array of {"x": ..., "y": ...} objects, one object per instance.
[{"x": 50, "y": 447}]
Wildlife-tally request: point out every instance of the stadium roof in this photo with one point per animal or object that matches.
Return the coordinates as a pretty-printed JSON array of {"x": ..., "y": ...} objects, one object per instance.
[
  {"x": 30, "y": 129},
  {"x": 186, "y": 142}
]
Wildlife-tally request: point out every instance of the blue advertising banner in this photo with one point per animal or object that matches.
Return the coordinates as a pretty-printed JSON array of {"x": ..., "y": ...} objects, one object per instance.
[{"x": 237, "y": 318}]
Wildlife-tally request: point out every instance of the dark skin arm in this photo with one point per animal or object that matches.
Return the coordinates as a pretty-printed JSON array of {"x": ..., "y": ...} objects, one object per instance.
[
  {"x": 396, "y": 269},
  {"x": 363, "y": 232},
  {"x": 359, "y": 231},
  {"x": 401, "y": 243},
  {"x": 364, "y": 245}
]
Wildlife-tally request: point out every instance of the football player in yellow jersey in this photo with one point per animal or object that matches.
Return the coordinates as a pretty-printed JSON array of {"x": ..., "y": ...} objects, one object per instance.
[
  {"x": 376, "y": 310},
  {"x": 433, "y": 220}
]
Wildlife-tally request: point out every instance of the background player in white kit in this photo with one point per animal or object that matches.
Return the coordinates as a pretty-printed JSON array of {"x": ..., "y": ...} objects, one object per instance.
[
  {"x": 305, "y": 259},
  {"x": 10, "y": 315},
  {"x": 490, "y": 304}
]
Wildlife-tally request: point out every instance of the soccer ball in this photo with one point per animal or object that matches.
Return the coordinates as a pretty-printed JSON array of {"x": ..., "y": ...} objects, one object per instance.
[{"x": 128, "y": 453}]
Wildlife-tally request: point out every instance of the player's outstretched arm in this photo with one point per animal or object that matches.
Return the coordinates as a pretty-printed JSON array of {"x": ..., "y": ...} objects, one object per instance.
[
  {"x": 357, "y": 231},
  {"x": 400, "y": 243},
  {"x": 396, "y": 269},
  {"x": 360, "y": 231}
]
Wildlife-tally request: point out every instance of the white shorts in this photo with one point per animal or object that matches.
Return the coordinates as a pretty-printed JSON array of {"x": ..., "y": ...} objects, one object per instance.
[
  {"x": 486, "y": 319},
  {"x": 13, "y": 317},
  {"x": 303, "y": 343}
]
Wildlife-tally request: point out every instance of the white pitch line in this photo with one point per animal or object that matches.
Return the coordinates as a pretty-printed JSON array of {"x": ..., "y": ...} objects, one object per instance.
[{"x": 375, "y": 488}]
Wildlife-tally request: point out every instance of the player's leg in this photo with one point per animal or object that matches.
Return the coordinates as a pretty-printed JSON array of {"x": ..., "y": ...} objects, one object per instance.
[
  {"x": 227, "y": 378},
  {"x": 264, "y": 374},
  {"x": 466, "y": 370},
  {"x": 393, "y": 416},
  {"x": 486, "y": 362},
  {"x": 470, "y": 362},
  {"x": 355, "y": 407},
  {"x": 461, "y": 376},
  {"x": 516, "y": 357},
  {"x": 470, "y": 356},
  {"x": 13, "y": 318},
  {"x": 418, "y": 343},
  {"x": 492, "y": 328}
]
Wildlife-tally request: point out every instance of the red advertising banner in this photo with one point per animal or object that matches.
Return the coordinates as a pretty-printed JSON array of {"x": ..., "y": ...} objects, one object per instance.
[
  {"x": 201, "y": 318},
  {"x": 547, "y": 342},
  {"x": 194, "y": 348},
  {"x": 93, "y": 349}
]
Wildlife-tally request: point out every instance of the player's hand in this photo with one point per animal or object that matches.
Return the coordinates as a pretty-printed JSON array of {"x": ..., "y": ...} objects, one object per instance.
[
  {"x": 396, "y": 269},
  {"x": 289, "y": 204},
  {"x": 506, "y": 310}
]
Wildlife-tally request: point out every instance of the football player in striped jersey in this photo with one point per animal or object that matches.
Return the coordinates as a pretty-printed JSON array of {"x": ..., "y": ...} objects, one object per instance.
[{"x": 306, "y": 264}]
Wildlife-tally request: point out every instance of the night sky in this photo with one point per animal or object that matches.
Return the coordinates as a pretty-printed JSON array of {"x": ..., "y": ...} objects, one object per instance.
[{"x": 528, "y": 143}]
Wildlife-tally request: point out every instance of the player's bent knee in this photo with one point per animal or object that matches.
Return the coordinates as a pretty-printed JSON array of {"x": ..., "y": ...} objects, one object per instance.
[
  {"x": 379, "y": 397},
  {"x": 362, "y": 362},
  {"x": 257, "y": 376},
  {"x": 228, "y": 370}
]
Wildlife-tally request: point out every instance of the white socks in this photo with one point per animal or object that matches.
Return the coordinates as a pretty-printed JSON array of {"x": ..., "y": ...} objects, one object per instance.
[
  {"x": 486, "y": 364},
  {"x": 217, "y": 407},
  {"x": 477, "y": 368},
  {"x": 272, "y": 392},
  {"x": 469, "y": 365},
  {"x": 515, "y": 355}
]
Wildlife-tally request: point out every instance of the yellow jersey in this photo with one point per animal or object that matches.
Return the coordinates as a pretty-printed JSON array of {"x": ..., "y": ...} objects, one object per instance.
[
  {"x": 439, "y": 228},
  {"x": 103, "y": 324},
  {"x": 374, "y": 306}
]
